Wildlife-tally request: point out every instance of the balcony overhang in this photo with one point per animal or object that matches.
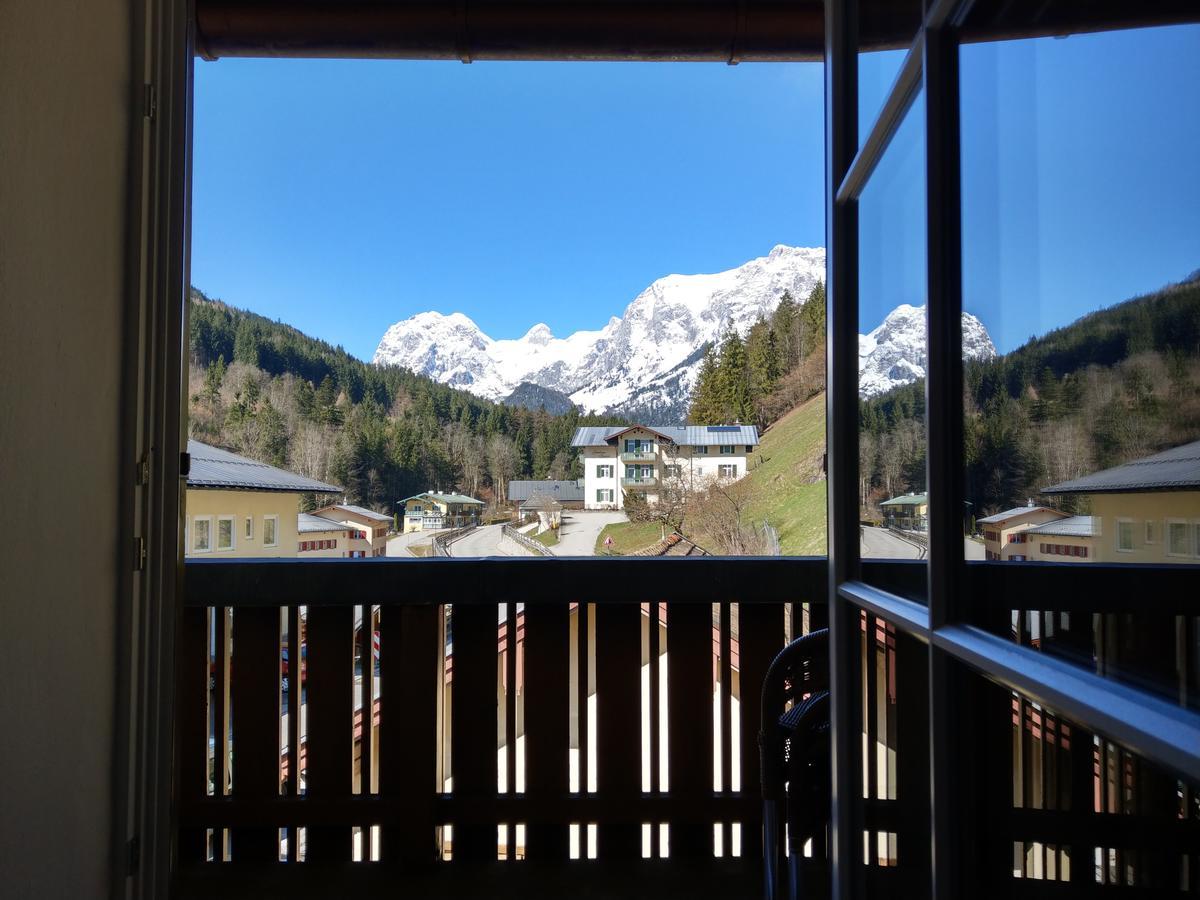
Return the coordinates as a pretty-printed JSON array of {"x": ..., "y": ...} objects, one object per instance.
[{"x": 730, "y": 31}]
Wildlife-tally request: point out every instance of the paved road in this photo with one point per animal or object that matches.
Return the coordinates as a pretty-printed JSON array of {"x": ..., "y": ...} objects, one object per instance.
[
  {"x": 879, "y": 543},
  {"x": 580, "y": 528},
  {"x": 485, "y": 541},
  {"x": 398, "y": 545}
]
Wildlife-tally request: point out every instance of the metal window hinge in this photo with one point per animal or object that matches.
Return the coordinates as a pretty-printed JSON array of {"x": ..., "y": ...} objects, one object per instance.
[
  {"x": 150, "y": 102},
  {"x": 139, "y": 554},
  {"x": 133, "y": 856},
  {"x": 143, "y": 469}
]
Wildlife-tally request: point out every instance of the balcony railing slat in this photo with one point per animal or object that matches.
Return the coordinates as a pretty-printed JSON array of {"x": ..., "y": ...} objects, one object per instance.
[
  {"x": 547, "y": 727},
  {"x": 330, "y": 720},
  {"x": 618, "y": 722},
  {"x": 295, "y": 697},
  {"x": 690, "y": 720},
  {"x": 256, "y": 719},
  {"x": 192, "y": 747},
  {"x": 410, "y": 663},
  {"x": 760, "y": 637},
  {"x": 473, "y": 729}
]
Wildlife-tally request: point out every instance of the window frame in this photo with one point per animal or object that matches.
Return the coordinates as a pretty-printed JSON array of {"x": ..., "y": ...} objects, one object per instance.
[
  {"x": 274, "y": 520},
  {"x": 1187, "y": 538},
  {"x": 208, "y": 522},
  {"x": 232, "y": 520},
  {"x": 1132, "y": 523}
]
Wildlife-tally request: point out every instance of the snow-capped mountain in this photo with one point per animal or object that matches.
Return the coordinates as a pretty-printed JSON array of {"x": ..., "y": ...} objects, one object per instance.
[
  {"x": 648, "y": 356},
  {"x": 894, "y": 353},
  {"x": 645, "y": 361}
]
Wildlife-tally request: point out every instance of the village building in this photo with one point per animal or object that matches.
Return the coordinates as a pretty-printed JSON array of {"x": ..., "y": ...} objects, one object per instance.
[
  {"x": 568, "y": 493},
  {"x": 321, "y": 538},
  {"x": 654, "y": 458},
  {"x": 1147, "y": 510},
  {"x": 240, "y": 508},
  {"x": 908, "y": 512},
  {"x": 1072, "y": 539},
  {"x": 1004, "y": 532},
  {"x": 367, "y": 529},
  {"x": 433, "y": 509},
  {"x": 545, "y": 509}
]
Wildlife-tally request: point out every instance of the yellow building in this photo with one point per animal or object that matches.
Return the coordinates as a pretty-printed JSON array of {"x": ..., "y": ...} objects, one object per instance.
[
  {"x": 1072, "y": 539},
  {"x": 1146, "y": 511},
  {"x": 434, "y": 509},
  {"x": 1004, "y": 532},
  {"x": 366, "y": 529},
  {"x": 909, "y": 512},
  {"x": 320, "y": 538},
  {"x": 238, "y": 508}
]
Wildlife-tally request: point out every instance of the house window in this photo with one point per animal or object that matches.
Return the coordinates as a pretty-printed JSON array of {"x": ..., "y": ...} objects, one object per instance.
[
  {"x": 700, "y": 448},
  {"x": 604, "y": 495},
  {"x": 249, "y": 528},
  {"x": 1151, "y": 532},
  {"x": 749, "y": 448},
  {"x": 1125, "y": 535},
  {"x": 270, "y": 531},
  {"x": 224, "y": 532},
  {"x": 202, "y": 534},
  {"x": 674, "y": 471},
  {"x": 604, "y": 471},
  {"x": 727, "y": 449},
  {"x": 729, "y": 471}
]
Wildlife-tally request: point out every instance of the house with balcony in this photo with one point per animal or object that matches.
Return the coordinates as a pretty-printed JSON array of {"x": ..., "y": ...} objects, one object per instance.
[
  {"x": 238, "y": 507},
  {"x": 1004, "y": 532},
  {"x": 432, "y": 510},
  {"x": 653, "y": 458},
  {"x": 908, "y": 512},
  {"x": 367, "y": 530},
  {"x": 1145, "y": 511}
]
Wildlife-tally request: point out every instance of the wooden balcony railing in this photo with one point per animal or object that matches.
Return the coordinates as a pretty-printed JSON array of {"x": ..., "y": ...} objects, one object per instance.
[{"x": 655, "y": 785}]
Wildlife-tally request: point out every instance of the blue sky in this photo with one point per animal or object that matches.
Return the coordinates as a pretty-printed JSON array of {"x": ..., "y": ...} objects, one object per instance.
[
  {"x": 1080, "y": 180},
  {"x": 341, "y": 196}
]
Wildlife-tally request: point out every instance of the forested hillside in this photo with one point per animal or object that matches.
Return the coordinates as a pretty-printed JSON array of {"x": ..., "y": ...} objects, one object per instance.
[
  {"x": 267, "y": 390},
  {"x": 776, "y": 367},
  {"x": 1117, "y": 384}
]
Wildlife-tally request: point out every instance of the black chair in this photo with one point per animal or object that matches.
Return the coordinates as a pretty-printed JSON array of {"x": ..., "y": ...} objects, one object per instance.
[{"x": 794, "y": 754}]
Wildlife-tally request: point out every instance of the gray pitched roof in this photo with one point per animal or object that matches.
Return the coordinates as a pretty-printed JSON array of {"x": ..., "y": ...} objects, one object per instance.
[
  {"x": 691, "y": 435},
  {"x": 1177, "y": 469},
  {"x": 542, "y": 502},
  {"x": 306, "y": 523},
  {"x": 212, "y": 467},
  {"x": 1072, "y": 526},
  {"x": 359, "y": 511},
  {"x": 1013, "y": 513},
  {"x": 560, "y": 490}
]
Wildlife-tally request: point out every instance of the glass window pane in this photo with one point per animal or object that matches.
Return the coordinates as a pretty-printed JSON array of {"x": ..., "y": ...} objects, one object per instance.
[
  {"x": 1081, "y": 223},
  {"x": 892, "y": 287}
]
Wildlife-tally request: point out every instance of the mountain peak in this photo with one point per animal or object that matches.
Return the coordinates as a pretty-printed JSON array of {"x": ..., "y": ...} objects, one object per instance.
[{"x": 539, "y": 334}]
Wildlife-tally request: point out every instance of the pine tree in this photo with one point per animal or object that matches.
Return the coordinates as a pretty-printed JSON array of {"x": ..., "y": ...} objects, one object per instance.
[
  {"x": 733, "y": 382},
  {"x": 762, "y": 352},
  {"x": 812, "y": 321},
  {"x": 705, "y": 407},
  {"x": 785, "y": 321}
]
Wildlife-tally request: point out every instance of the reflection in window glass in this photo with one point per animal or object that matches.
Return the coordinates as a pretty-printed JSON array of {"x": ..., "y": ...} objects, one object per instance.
[
  {"x": 877, "y": 73},
  {"x": 1081, "y": 222},
  {"x": 892, "y": 340},
  {"x": 1081, "y": 217}
]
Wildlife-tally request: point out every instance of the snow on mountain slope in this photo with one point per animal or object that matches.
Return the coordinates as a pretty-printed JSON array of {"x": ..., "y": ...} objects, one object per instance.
[
  {"x": 647, "y": 359},
  {"x": 664, "y": 325},
  {"x": 894, "y": 353}
]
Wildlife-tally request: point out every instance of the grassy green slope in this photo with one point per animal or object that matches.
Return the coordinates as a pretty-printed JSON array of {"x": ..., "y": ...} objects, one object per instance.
[{"x": 786, "y": 488}]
